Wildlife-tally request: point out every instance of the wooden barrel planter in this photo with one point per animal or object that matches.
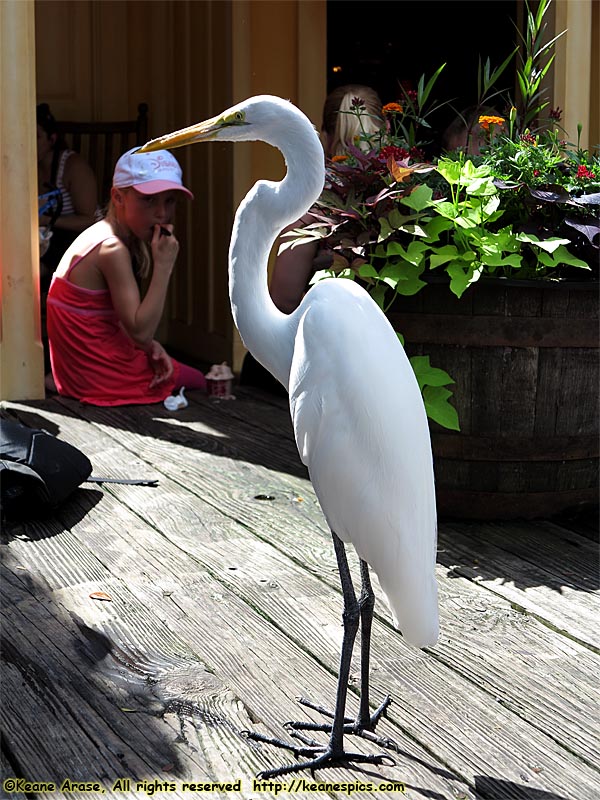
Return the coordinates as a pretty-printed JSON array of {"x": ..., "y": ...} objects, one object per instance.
[{"x": 525, "y": 360}]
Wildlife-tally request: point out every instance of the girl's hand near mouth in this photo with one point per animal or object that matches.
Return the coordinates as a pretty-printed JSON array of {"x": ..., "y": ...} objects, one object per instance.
[{"x": 164, "y": 248}]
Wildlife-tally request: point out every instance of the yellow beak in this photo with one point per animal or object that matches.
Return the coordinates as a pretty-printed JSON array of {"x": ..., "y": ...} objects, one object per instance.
[{"x": 195, "y": 133}]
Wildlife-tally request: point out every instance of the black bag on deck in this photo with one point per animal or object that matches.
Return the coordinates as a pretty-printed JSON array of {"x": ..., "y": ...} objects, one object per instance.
[{"x": 37, "y": 470}]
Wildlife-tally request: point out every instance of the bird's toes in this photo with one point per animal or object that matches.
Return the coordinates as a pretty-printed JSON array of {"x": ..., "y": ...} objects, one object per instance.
[
  {"x": 306, "y": 740},
  {"x": 295, "y": 725}
]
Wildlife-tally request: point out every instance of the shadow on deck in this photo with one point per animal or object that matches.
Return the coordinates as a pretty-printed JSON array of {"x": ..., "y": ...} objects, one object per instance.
[{"x": 222, "y": 604}]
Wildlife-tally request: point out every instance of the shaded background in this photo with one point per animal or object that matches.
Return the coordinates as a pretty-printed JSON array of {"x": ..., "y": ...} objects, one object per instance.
[{"x": 384, "y": 43}]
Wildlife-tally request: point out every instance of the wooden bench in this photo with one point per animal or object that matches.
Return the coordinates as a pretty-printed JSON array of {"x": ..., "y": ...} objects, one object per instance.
[{"x": 101, "y": 144}]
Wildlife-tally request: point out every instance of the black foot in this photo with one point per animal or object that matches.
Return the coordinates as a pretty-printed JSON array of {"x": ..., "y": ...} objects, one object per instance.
[
  {"x": 322, "y": 756},
  {"x": 357, "y": 726}
]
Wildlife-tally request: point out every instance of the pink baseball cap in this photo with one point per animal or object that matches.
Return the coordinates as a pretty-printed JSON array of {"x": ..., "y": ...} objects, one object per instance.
[{"x": 149, "y": 173}]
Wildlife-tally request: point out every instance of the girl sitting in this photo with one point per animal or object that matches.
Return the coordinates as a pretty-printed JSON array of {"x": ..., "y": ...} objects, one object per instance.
[{"x": 101, "y": 331}]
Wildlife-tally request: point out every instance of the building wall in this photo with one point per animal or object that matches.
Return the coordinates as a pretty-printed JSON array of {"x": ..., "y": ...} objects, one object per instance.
[{"x": 188, "y": 60}]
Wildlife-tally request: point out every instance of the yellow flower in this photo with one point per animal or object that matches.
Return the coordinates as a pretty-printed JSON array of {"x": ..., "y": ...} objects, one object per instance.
[
  {"x": 340, "y": 158},
  {"x": 485, "y": 122},
  {"x": 392, "y": 108}
]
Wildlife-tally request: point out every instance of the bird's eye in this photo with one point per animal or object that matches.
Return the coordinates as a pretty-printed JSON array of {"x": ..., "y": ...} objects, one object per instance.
[{"x": 237, "y": 118}]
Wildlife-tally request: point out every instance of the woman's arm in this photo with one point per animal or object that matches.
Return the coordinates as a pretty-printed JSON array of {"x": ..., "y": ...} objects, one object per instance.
[
  {"x": 80, "y": 182},
  {"x": 292, "y": 271},
  {"x": 140, "y": 318}
]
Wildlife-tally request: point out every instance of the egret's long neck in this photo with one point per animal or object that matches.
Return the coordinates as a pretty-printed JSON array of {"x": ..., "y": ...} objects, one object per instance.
[{"x": 264, "y": 212}]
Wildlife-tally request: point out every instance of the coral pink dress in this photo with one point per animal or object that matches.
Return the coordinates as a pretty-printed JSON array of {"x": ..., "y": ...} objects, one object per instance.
[{"x": 93, "y": 359}]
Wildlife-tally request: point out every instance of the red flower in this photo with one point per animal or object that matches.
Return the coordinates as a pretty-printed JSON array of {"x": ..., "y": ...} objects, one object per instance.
[
  {"x": 529, "y": 138},
  {"x": 397, "y": 153},
  {"x": 584, "y": 172}
]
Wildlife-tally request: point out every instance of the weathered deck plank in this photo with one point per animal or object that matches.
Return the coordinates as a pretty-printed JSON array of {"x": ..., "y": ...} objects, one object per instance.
[
  {"x": 94, "y": 579},
  {"x": 560, "y": 601},
  {"x": 505, "y": 702}
]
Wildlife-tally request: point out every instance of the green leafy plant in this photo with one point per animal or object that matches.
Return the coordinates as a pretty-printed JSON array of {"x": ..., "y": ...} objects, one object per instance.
[
  {"x": 525, "y": 206},
  {"x": 534, "y": 68}
]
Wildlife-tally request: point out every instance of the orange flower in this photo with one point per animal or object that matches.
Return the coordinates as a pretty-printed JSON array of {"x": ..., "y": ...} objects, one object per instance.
[
  {"x": 485, "y": 122},
  {"x": 392, "y": 108},
  {"x": 340, "y": 158}
]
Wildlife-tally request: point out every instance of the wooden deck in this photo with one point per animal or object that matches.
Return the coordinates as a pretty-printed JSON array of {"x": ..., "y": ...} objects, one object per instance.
[{"x": 225, "y": 606}]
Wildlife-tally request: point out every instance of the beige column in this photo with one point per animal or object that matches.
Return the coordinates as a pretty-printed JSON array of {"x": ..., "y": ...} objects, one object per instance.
[
  {"x": 573, "y": 67},
  {"x": 21, "y": 353}
]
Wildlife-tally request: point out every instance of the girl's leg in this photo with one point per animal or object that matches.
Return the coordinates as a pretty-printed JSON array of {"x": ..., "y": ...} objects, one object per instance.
[{"x": 190, "y": 378}]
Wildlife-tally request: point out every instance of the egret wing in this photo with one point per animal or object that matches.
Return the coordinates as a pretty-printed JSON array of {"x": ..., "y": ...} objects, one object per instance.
[{"x": 361, "y": 429}]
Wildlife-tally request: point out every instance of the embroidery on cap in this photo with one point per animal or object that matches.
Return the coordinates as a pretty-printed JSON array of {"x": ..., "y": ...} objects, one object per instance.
[{"x": 161, "y": 162}]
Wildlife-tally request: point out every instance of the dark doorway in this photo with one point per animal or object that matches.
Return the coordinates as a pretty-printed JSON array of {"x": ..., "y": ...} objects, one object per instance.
[{"x": 382, "y": 43}]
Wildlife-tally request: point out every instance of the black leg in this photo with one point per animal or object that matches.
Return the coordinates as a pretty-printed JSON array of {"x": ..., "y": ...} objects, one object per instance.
[
  {"x": 333, "y": 754},
  {"x": 366, "y": 604},
  {"x": 350, "y": 619},
  {"x": 365, "y": 721}
]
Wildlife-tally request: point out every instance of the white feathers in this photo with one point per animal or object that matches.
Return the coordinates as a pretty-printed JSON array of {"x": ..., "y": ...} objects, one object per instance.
[{"x": 358, "y": 415}]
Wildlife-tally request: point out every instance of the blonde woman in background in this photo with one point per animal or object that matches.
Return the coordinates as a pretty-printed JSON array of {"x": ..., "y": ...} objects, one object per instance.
[{"x": 340, "y": 127}]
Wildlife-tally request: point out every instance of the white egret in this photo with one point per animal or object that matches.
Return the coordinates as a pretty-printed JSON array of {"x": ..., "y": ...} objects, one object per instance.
[{"x": 357, "y": 412}]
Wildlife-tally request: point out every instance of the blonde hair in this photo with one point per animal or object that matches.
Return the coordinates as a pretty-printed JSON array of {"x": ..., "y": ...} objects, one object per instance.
[
  {"x": 342, "y": 127},
  {"x": 141, "y": 255}
]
